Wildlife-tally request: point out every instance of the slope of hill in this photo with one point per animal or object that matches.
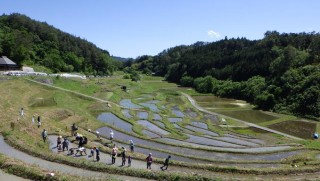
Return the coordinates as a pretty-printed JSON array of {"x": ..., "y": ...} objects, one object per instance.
[
  {"x": 31, "y": 42},
  {"x": 280, "y": 72}
]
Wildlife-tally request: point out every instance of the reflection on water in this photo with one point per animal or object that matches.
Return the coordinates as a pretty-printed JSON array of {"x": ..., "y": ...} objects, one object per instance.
[
  {"x": 157, "y": 117},
  {"x": 174, "y": 120},
  {"x": 110, "y": 118},
  {"x": 126, "y": 113},
  {"x": 142, "y": 115},
  {"x": 200, "y": 125},
  {"x": 176, "y": 111},
  {"x": 253, "y": 116},
  {"x": 128, "y": 104},
  {"x": 152, "y": 127}
]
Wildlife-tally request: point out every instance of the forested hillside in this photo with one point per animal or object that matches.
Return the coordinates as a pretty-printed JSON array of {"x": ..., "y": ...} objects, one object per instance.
[
  {"x": 30, "y": 42},
  {"x": 280, "y": 72}
]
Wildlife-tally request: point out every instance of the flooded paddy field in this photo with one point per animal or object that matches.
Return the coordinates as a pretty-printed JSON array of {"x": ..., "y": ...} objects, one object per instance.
[
  {"x": 104, "y": 131},
  {"x": 299, "y": 128},
  {"x": 112, "y": 119}
]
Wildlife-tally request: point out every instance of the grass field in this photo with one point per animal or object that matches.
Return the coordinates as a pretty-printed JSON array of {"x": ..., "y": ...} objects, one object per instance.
[{"x": 59, "y": 110}]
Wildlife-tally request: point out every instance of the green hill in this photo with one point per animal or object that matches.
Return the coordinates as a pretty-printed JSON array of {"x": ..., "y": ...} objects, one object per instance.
[
  {"x": 31, "y": 42},
  {"x": 280, "y": 72}
]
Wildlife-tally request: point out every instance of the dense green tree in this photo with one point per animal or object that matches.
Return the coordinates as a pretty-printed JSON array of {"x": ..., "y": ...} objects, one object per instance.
[
  {"x": 27, "y": 41},
  {"x": 279, "y": 72}
]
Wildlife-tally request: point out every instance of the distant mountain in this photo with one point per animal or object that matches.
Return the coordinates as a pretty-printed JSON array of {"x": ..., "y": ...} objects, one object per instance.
[
  {"x": 120, "y": 58},
  {"x": 26, "y": 41}
]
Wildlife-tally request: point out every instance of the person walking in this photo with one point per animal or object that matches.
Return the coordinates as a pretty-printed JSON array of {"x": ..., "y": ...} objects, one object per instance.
[
  {"x": 166, "y": 163},
  {"x": 39, "y": 121},
  {"x": 98, "y": 135},
  {"x": 44, "y": 135},
  {"x": 97, "y": 154},
  {"x": 123, "y": 155},
  {"x": 21, "y": 112},
  {"x": 59, "y": 141},
  {"x": 65, "y": 144},
  {"x": 149, "y": 161},
  {"x": 114, "y": 154},
  {"x": 131, "y": 146},
  {"x": 129, "y": 161},
  {"x": 111, "y": 135},
  {"x": 74, "y": 128}
]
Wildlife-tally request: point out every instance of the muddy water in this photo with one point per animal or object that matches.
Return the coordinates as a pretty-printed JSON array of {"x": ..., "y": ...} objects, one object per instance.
[
  {"x": 208, "y": 154},
  {"x": 253, "y": 116},
  {"x": 218, "y": 104},
  {"x": 302, "y": 129},
  {"x": 114, "y": 120},
  {"x": 55, "y": 167}
]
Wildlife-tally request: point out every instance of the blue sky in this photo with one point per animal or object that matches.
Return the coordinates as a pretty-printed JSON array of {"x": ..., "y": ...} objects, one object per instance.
[{"x": 130, "y": 28}]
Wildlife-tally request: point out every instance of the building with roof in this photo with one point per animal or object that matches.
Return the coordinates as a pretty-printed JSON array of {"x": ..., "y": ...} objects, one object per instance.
[{"x": 7, "y": 64}]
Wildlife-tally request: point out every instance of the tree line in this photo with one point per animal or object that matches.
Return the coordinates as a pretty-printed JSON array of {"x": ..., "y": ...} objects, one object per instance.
[
  {"x": 31, "y": 42},
  {"x": 280, "y": 72}
]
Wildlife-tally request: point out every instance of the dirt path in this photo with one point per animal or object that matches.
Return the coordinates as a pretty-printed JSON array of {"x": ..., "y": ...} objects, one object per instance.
[
  {"x": 138, "y": 164},
  {"x": 194, "y": 103},
  {"x": 6, "y": 176},
  {"x": 56, "y": 167}
]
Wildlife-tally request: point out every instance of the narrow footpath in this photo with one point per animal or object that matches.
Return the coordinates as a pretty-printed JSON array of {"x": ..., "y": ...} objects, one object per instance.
[{"x": 56, "y": 167}]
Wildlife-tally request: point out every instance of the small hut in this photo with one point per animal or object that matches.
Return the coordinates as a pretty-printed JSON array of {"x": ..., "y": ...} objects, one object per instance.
[{"x": 7, "y": 64}]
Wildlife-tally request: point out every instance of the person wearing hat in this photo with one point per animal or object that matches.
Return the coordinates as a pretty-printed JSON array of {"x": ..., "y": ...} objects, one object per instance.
[
  {"x": 111, "y": 135},
  {"x": 166, "y": 163},
  {"x": 131, "y": 146},
  {"x": 149, "y": 161}
]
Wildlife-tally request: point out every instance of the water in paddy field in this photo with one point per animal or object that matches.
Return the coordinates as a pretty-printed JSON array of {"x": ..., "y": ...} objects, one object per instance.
[
  {"x": 126, "y": 113},
  {"x": 112, "y": 119},
  {"x": 152, "y": 127},
  {"x": 239, "y": 109},
  {"x": 142, "y": 115},
  {"x": 128, "y": 104},
  {"x": 157, "y": 117}
]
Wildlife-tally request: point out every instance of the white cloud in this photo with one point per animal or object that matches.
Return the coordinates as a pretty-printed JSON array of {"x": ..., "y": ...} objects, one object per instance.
[{"x": 213, "y": 34}]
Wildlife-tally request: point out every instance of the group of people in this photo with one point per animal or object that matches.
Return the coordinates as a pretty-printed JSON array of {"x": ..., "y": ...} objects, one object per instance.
[
  {"x": 22, "y": 114},
  {"x": 63, "y": 143}
]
